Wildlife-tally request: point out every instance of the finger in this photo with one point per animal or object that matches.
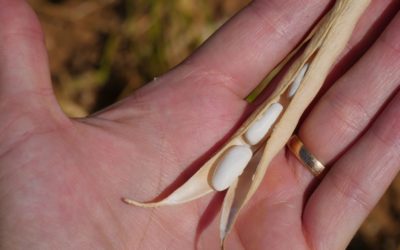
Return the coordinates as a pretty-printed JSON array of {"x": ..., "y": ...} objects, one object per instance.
[
  {"x": 238, "y": 56},
  {"x": 24, "y": 71},
  {"x": 27, "y": 103},
  {"x": 355, "y": 183},
  {"x": 255, "y": 40},
  {"x": 351, "y": 104}
]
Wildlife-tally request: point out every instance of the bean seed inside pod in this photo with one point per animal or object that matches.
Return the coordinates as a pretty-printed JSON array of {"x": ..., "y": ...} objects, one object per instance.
[
  {"x": 297, "y": 81},
  {"x": 260, "y": 128},
  {"x": 231, "y": 166}
]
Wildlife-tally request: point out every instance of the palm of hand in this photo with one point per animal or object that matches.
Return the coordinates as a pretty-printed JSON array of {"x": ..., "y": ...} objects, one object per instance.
[
  {"x": 82, "y": 168},
  {"x": 62, "y": 179}
]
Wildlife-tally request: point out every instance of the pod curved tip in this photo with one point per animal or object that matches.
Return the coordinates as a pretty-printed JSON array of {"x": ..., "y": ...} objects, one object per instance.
[
  {"x": 222, "y": 244},
  {"x": 141, "y": 204}
]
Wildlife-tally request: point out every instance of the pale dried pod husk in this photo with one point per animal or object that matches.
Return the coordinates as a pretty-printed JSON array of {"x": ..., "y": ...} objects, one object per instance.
[{"x": 323, "y": 47}]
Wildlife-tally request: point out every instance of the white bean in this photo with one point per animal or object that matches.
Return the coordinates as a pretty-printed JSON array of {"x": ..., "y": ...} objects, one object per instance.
[
  {"x": 297, "y": 81},
  {"x": 232, "y": 164},
  {"x": 260, "y": 128}
]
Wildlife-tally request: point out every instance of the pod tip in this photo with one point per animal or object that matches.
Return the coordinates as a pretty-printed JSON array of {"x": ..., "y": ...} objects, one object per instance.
[
  {"x": 222, "y": 242},
  {"x": 139, "y": 204},
  {"x": 222, "y": 245}
]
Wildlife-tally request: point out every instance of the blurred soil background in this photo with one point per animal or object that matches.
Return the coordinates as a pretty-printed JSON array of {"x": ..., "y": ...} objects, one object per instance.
[{"x": 103, "y": 50}]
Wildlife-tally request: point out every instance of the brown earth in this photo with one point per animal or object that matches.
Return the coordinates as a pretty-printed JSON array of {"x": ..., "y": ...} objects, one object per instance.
[{"x": 102, "y": 50}]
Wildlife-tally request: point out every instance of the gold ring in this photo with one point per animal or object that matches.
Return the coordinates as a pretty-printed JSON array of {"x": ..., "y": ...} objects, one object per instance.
[{"x": 297, "y": 147}]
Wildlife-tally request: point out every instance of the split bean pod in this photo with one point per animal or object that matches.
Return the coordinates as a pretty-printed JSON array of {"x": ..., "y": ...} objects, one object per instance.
[{"x": 240, "y": 165}]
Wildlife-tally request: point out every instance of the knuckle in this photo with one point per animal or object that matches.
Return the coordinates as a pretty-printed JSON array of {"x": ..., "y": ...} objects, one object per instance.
[
  {"x": 391, "y": 37},
  {"x": 347, "y": 112},
  {"x": 352, "y": 191},
  {"x": 268, "y": 18},
  {"x": 388, "y": 135}
]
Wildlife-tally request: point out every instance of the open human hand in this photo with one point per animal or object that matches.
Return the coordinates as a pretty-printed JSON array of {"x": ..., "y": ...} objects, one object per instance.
[{"x": 62, "y": 179}]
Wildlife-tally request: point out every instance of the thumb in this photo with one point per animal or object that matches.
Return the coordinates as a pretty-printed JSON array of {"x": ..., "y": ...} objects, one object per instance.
[{"x": 24, "y": 72}]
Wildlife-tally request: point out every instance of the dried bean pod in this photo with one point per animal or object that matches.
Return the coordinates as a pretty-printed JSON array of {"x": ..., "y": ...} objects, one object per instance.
[
  {"x": 321, "y": 54},
  {"x": 322, "y": 50}
]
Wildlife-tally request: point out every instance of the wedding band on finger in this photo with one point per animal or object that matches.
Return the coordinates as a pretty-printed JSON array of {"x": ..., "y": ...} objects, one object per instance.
[{"x": 297, "y": 147}]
